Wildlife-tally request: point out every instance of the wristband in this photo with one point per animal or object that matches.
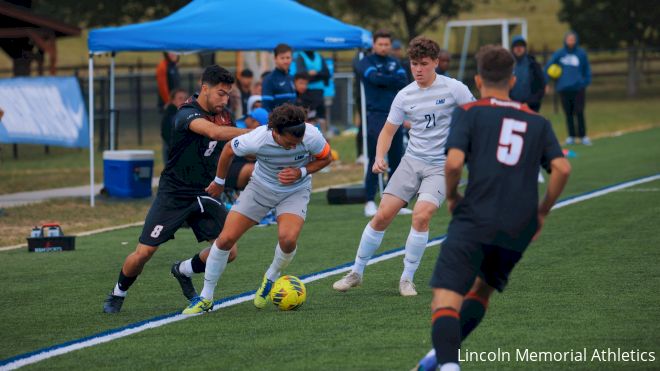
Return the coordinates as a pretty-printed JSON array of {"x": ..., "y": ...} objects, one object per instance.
[
  {"x": 219, "y": 181},
  {"x": 303, "y": 172}
]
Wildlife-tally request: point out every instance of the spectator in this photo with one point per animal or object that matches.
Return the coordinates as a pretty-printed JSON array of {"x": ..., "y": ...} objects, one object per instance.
[
  {"x": 383, "y": 77},
  {"x": 443, "y": 63},
  {"x": 312, "y": 64},
  {"x": 256, "y": 89},
  {"x": 530, "y": 82},
  {"x": 253, "y": 103},
  {"x": 277, "y": 87},
  {"x": 397, "y": 52},
  {"x": 571, "y": 85},
  {"x": 177, "y": 97},
  {"x": 244, "y": 85},
  {"x": 167, "y": 77},
  {"x": 258, "y": 117}
]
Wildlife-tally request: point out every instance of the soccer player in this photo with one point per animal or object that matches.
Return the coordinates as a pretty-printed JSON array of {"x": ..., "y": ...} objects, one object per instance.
[
  {"x": 287, "y": 150},
  {"x": 198, "y": 128},
  {"x": 504, "y": 144},
  {"x": 427, "y": 102}
]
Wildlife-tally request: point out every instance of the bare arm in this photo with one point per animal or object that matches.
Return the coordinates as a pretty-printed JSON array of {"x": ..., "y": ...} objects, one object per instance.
[
  {"x": 291, "y": 175},
  {"x": 384, "y": 143},
  {"x": 453, "y": 170},
  {"x": 214, "y": 189},
  {"x": 561, "y": 169},
  {"x": 216, "y": 132}
]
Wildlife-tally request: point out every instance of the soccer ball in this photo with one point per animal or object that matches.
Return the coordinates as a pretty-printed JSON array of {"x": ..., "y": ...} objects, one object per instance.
[
  {"x": 288, "y": 293},
  {"x": 554, "y": 71}
]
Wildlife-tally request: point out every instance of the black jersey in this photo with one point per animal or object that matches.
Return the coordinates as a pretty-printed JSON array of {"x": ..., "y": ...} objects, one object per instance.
[
  {"x": 193, "y": 158},
  {"x": 505, "y": 143}
]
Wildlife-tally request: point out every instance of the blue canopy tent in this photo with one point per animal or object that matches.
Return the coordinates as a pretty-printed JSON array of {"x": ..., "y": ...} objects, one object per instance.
[{"x": 209, "y": 25}]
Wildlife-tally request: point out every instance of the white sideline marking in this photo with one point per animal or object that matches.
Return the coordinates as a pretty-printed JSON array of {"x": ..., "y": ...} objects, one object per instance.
[{"x": 49, "y": 353}]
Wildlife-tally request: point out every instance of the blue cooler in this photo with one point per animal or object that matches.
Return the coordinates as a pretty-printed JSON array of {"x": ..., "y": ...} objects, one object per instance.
[{"x": 128, "y": 173}]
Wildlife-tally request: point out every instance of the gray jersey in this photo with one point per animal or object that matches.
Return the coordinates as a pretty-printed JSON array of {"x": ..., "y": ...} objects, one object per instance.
[
  {"x": 429, "y": 111},
  {"x": 272, "y": 158}
]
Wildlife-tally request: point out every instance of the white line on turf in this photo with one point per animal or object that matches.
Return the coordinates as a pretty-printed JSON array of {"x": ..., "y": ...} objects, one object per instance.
[{"x": 104, "y": 338}]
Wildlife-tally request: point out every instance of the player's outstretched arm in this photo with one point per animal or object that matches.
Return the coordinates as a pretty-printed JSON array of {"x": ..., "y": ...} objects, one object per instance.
[
  {"x": 453, "y": 170},
  {"x": 560, "y": 171},
  {"x": 218, "y": 184},
  {"x": 383, "y": 145},
  {"x": 210, "y": 130}
]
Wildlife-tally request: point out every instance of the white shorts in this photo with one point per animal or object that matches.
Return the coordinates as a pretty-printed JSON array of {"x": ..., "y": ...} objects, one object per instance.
[
  {"x": 415, "y": 177},
  {"x": 256, "y": 201}
]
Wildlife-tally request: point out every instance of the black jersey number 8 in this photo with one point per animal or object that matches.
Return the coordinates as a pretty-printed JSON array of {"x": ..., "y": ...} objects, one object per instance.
[
  {"x": 511, "y": 141},
  {"x": 428, "y": 119}
]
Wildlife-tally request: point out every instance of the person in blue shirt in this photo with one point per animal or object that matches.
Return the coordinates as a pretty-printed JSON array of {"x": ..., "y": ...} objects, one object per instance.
[
  {"x": 530, "y": 82},
  {"x": 383, "y": 77},
  {"x": 571, "y": 85},
  {"x": 277, "y": 87}
]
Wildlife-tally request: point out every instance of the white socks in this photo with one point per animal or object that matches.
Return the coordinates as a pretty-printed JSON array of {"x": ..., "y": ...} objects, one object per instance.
[
  {"x": 185, "y": 268},
  {"x": 369, "y": 243},
  {"x": 450, "y": 367},
  {"x": 215, "y": 265},
  {"x": 119, "y": 292},
  {"x": 415, "y": 246},
  {"x": 280, "y": 261}
]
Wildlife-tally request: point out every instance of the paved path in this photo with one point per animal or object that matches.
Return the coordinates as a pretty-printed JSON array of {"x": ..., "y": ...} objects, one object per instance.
[{"x": 25, "y": 198}]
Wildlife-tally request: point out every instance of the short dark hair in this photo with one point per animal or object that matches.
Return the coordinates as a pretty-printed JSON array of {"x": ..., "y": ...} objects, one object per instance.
[
  {"x": 247, "y": 73},
  {"x": 301, "y": 76},
  {"x": 382, "y": 33},
  {"x": 288, "y": 118},
  {"x": 281, "y": 49},
  {"x": 214, "y": 75},
  {"x": 495, "y": 65},
  {"x": 422, "y": 47}
]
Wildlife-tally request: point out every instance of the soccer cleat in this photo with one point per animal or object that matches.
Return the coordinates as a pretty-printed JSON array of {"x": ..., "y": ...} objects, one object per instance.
[
  {"x": 262, "y": 295},
  {"x": 198, "y": 305},
  {"x": 569, "y": 141},
  {"x": 370, "y": 209},
  {"x": 407, "y": 288},
  {"x": 428, "y": 363},
  {"x": 405, "y": 211},
  {"x": 586, "y": 141},
  {"x": 352, "y": 279},
  {"x": 185, "y": 282},
  {"x": 113, "y": 303}
]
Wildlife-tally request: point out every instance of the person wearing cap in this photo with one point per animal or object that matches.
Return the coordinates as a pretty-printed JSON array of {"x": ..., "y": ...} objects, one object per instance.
[
  {"x": 258, "y": 117},
  {"x": 530, "y": 82}
]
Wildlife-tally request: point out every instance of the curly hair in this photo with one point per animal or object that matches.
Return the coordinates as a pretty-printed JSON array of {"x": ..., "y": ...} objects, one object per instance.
[
  {"x": 495, "y": 65},
  {"x": 421, "y": 47},
  {"x": 214, "y": 75},
  {"x": 288, "y": 119}
]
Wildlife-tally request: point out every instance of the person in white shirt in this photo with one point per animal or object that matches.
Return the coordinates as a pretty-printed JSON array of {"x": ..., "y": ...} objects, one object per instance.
[
  {"x": 427, "y": 103},
  {"x": 288, "y": 151}
]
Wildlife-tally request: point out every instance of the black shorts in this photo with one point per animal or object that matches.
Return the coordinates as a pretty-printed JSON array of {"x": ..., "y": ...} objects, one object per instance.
[
  {"x": 460, "y": 262},
  {"x": 204, "y": 214},
  {"x": 234, "y": 171}
]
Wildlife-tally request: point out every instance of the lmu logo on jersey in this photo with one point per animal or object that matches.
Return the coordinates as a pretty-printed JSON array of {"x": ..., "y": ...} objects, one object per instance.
[
  {"x": 440, "y": 101},
  {"x": 299, "y": 157}
]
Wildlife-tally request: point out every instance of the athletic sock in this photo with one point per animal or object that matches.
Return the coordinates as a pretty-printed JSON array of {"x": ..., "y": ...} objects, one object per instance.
[
  {"x": 215, "y": 265},
  {"x": 369, "y": 243},
  {"x": 472, "y": 312},
  {"x": 198, "y": 266},
  {"x": 123, "y": 284},
  {"x": 185, "y": 268},
  {"x": 446, "y": 335},
  {"x": 280, "y": 261},
  {"x": 415, "y": 246}
]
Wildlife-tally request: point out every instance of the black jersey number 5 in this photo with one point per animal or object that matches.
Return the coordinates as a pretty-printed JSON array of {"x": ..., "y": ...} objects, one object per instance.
[{"x": 511, "y": 141}]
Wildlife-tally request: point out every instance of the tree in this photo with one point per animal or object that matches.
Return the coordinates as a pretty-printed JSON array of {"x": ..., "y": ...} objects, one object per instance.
[
  {"x": 614, "y": 24},
  {"x": 97, "y": 13},
  {"x": 408, "y": 18}
]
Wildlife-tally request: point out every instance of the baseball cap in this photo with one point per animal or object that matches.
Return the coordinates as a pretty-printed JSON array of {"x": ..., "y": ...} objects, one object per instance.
[{"x": 261, "y": 115}]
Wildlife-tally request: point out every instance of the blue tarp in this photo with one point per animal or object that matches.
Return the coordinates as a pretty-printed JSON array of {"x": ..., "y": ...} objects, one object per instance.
[
  {"x": 233, "y": 25},
  {"x": 43, "y": 110}
]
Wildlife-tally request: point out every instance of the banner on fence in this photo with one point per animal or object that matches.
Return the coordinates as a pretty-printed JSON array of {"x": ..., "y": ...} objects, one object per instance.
[{"x": 43, "y": 110}]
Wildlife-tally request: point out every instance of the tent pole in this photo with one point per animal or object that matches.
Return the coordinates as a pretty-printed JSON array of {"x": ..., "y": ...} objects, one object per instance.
[
  {"x": 363, "y": 119},
  {"x": 90, "y": 112},
  {"x": 113, "y": 127}
]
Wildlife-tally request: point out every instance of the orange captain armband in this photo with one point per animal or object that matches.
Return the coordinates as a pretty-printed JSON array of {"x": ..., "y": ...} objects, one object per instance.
[{"x": 324, "y": 153}]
